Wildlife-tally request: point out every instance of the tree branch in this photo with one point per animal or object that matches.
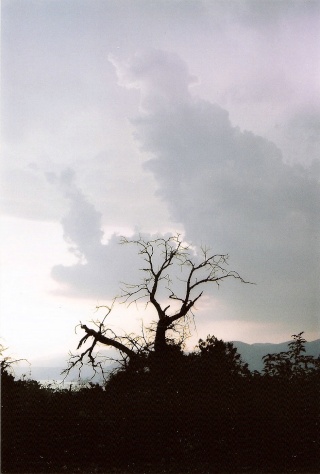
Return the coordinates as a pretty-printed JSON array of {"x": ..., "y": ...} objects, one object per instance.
[{"x": 98, "y": 337}]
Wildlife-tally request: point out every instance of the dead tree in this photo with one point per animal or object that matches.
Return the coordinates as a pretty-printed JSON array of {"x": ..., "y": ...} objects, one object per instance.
[
  {"x": 163, "y": 255},
  {"x": 130, "y": 346},
  {"x": 174, "y": 273}
]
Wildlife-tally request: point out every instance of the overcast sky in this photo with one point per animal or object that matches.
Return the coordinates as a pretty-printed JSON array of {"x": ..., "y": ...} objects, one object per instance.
[{"x": 120, "y": 117}]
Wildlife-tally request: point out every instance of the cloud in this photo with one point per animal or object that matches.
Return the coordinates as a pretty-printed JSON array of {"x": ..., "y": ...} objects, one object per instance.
[
  {"x": 162, "y": 78},
  {"x": 82, "y": 224},
  {"x": 101, "y": 268},
  {"x": 232, "y": 190},
  {"x": 26, "y": 194},
  {"x": 301, "y": 133},
  {"x": 265, "y": 13}
]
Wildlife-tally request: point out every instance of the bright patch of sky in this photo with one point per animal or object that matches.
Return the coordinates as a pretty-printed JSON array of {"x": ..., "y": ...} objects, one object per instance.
[{"x": 121, "y": 117}]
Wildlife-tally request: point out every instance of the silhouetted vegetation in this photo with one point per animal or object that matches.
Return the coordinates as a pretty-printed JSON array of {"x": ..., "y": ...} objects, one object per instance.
[
  {"x": 172, "y": 272},
  {"x": 164, "y": 410},
  {"x": 198, "y": 412}
]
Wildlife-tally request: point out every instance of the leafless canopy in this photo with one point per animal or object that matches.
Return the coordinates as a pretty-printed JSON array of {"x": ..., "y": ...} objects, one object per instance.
[{"x": 174, "y": 273}]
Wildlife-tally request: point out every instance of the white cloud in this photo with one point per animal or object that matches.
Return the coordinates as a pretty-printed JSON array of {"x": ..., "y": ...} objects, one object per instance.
[{"x": 162, "y": 78}]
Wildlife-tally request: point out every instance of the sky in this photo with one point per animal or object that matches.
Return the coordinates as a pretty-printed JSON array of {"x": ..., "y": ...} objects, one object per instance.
[{"x": 124, "y": 117}]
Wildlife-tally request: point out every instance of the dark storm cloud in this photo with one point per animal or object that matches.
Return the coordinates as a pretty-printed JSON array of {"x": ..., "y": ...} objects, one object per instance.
[{"x": 232, "y": 190}]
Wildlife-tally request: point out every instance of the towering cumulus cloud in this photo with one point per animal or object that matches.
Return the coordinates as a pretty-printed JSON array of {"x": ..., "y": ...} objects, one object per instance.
[
  {"x": 231, "y": 190},
  {"x": 162, "y": 78}
]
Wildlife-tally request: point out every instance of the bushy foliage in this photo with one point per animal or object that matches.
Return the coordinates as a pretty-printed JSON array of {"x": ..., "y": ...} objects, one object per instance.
[
  {"x": 222, "y": 356},
  {"x": 292, "y": 363},
  {"x": 197, "y": 412}
]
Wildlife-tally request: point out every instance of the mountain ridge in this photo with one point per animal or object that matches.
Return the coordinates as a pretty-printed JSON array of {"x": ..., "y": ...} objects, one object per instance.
[
  {"x": 250, "y": 353},
  {"x": 253, "y": 353}
]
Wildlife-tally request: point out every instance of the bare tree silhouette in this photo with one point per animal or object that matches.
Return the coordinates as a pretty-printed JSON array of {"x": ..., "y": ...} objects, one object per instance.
[{"x": 174, "y": 273}]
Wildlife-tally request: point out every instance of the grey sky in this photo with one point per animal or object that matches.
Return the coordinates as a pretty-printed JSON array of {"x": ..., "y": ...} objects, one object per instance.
[{"x": 195, "y": 116}]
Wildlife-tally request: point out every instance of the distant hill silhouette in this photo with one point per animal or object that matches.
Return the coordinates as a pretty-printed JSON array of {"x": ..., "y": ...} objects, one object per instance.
[{"x": 253, "y": 353}]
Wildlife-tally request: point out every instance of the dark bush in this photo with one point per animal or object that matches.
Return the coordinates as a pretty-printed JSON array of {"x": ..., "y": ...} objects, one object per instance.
[{"x": 197, "y": 412}]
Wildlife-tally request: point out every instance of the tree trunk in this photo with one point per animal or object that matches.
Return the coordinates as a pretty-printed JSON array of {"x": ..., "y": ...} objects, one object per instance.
[{"x": 160, "y": 343}]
